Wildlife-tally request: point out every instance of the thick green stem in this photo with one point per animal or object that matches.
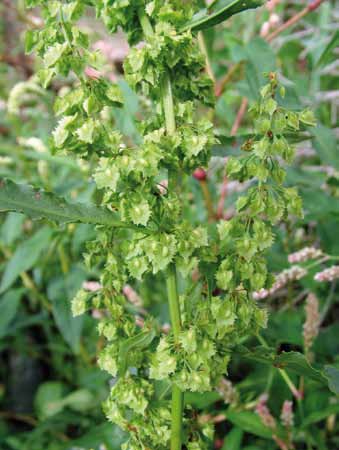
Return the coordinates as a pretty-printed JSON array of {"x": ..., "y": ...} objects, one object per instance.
[
  {"x": 167, "y": 98},
  {"x": 171, "y": 276},
  {"x": 172, "y": 292},
  {"x": 177, "y": 395},
  {"x": 172, "y": 289}
]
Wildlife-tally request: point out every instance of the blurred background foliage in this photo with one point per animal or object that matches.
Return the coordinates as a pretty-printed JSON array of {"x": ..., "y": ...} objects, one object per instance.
[{"x": 50, "y": 387}]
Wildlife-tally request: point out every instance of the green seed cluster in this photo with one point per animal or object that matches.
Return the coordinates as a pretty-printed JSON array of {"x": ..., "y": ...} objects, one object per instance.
[{"x": 145, "y": 362}]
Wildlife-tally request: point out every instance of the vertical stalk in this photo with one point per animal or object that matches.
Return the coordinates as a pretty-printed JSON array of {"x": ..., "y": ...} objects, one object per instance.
[
  {"x": 177, "y": 395},
  {"x": 171, "y": 276},
  {"x": 171, "y": 279}
]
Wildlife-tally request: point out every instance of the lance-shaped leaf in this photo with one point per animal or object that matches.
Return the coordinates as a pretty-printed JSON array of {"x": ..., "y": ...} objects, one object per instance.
[
  {"x": 39, "y": 204},
  {"x": 140, "y": 341},
  {"x": 295, "y": 362},
  {"x": 209, "y": 17}
]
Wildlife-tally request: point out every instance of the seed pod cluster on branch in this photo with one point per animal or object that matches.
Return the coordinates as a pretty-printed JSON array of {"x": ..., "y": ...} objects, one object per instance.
[{"x": 169, "y": 69}]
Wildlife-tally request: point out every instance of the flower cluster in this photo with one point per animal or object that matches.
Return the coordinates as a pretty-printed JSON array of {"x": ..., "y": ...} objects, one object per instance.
[
  {"x": 329, "y": 274},
  {"x": 312, "y": 322},
  {"x": 281, "y": 280},
  {"x": 264, "y": 413},
  {"x": 228, "y": 391},
  {"x": 246, "y": 236},
  {"x": 305, "y": 254},
  {"x": 282, "y": 437},
  {"x": 142, "y": 358},
  {"x": 287, "y": 416},
  {"x": 205, "y": 347}
]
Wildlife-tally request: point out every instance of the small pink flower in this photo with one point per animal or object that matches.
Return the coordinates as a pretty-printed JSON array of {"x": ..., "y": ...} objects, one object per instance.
[
  {"x": 304, "y": 254},
  {"x": 281, "y": 280},
  {"x": 132, "y": 295},
  {"x": 228, "y": 391},
  {"x": 312, "y": 322},
  {"x": 329, "y": 274},
  {"x": 91, "y": 286},
  {"x": 264, "y": 413},
  {"x": 93, "y": 73},
  {"x": 287, "y": 416}
]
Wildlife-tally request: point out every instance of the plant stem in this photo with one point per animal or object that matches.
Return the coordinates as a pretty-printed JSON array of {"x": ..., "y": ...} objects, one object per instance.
[
  {"x": 220, "y": 87},
  {"x": 171, "y": 276},
  {"x": 172, "y": 289},
  {"x": 167, "y": 98},
  {"x": 204, "y": 51},
  {"x": 294, "y": 19},
  {"x": 208, "y": 200},
  {"x": 328, "y": 303},
  {"x": 282, "y": 372},
  {"x": 177, "y": 395}
]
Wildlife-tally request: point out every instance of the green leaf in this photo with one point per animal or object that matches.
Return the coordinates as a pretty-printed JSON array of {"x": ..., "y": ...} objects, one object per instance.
[
  {"x": 48, "y": 399},
  {"x": 39, "y": 204},
  {"x": 60, "y": 291},
  {"x": 53, "y": 54},
  {"x": 25, "y": 256},
  {"x": 11, "y": 229},
  {"x": 105, "y": 434},
  {"x": 233, "y": 439},
  {"x": 140, "y": 341},
  {"x": 223, "y": 10},
  {"x": 9, "y": 304},
  {"x": 30, "y": 41},
  {"x": 332, "y": 375},
  {"x": 318, "y": 204},
  {"x": 334, "y": 42},
  {"x": 125, "y": 116},
  {"x": 80, "y": 400},
  {"x": 260, "y": 58},
  {"x": 249, "y": 422},
  {"x": 326, "y": 145},
  {"x": 297, "y": 363},
  {"x": 320, "y": 415},
  {"x": 201, "y": 400},
  {"x": 291, "y": 361}
]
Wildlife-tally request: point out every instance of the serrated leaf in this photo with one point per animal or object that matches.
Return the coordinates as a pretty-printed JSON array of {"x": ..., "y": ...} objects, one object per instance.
[
  {"x": 39, "y": 204},
  {"x": 207, "y": 18}
]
